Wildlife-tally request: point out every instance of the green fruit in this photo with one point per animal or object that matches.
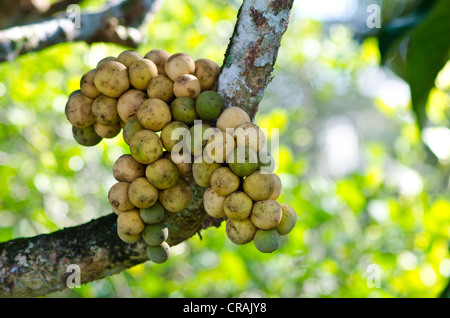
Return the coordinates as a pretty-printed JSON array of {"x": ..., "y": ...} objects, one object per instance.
[
  {"x": 199, "y": 135},
  {"x": 146, "y": 146},
  {"x": 183, "y": 109},
  {"x": 265, "y": 162},
  {"x": 288, "y": 219},
  {"x": 169, "y": 138},
  {"x": 130, "y": 128},
  {"x": 208, "y": 105},
  {"x": 243, "y": 161},
  {"x": 155, "y": 234},
  {"x": 153, "y": 214},
  {"x": 159, "y": 254},
  {"x": 267, "y": 241},
  {"x": 86, "y": 136}
]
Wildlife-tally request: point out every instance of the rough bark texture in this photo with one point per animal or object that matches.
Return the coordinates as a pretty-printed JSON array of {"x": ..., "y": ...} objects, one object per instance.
[
  {"x": 36, "y": 266},
  {"x": 117, "y": 22}
]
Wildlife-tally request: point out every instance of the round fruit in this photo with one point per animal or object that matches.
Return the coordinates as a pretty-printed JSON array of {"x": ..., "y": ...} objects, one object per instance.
[
  {"x": 187, "y": 85},
  {"x": 127, "y": 169},
  {"x": 153, "y": 214},
  {"x": 224, "y": 181},
  {"x": 238, "y": 205},
  {"x": 288, "y": 219},
  {"x": 266, "y": 214},
  {"x": 250, "y": 135},
  {"x": 208, "y": 105},
  {"x": 106, "y": 131},
  {"x": 111, "y": 79},
  {"x": 128, "y": 104},
  {"x": 240, "y": 231},
  {"x": 146, "y": 146},
  {"x": 173, "y": 133},
  {"x": 213, "y": 203},
  {"x": 128, "y": 57},
  {"x": 130, "y": 128},
  {"x": 159, "y": 254},
  {"x": 86, "y": 136},
  {"x": 154, "y": 114},
  {"x": 78, "y": 110},
  {"x": 106, "y": 59},
  {"x": 159, "y": 57},
  {"x": 207, "y": 72},
  {"x": 162, "y": 173},
  {"x": 219, "y": 146},
  {"x": 278, "y": 187},
  {"x": 141, "y": 72},
  {"x": 198, "y": 136},
  {"x": 231, "y": 118},
  {"x": 142, "y": 193},
  {"x": 260, "y": 185},
  {"x": 87, "y": 85},
  {"x": 104, "y": 109},
  {"x": 266, "y": 162},
  {"x": 183, "y": 109},
  {"x": 161, "y": 87},
  {"x": 267, "y": 241},
  {"x": 155, "y": 234},
  {"x": 118, "y": 197},
  {"x": 243, "y": 161},
  {"x": 177, "y": 197},
  {"x": 183, "y": 161},
  {"x": 130, "y": 223},
  {"x": 129, "y": 238},
  {"x": 202, "y": 171},
  {"x": 179, "y": 64}
]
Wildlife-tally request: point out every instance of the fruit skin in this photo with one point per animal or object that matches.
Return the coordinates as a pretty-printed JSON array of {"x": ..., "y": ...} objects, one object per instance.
[
  {"x": 182, "y": 161},
  {"x": 162, "y": 173},
  {"x": 161, "y": 87},
  {"x": 128, "y": 104},
  {"x": 266, "y": 162},
  {"x": 159, "y": 57},
  {"x": 224, "y": 181},
  {"x": 111, "y": 79},
  {"x": 146, "y": 146},
  {"x": 207, "y": 72},
  {"x": 250, "y": 135},
  {"x": 159, "y": 254},
  {"x": 129, "y": 238},
  {"x": 202, "y": 171},
  {"x": 213, "y": 203},
  {"x": 86, "y": 136},
  {"x": 288, "y": 219},
  {"x": 155, "y": 234},
  {"x": 128, "y": 57},
  {"x": 106, "y": 131},
  {"x": 231, "y": 118},
  {"x": 177, "y": 197},
  {"x": 130, "y": 128},
  {"x": 240, "y": 232},
  {"x": 106, "y": 59},
  {"x": 183, "y": 109},
  {"x": 153, "y": 214},
  {"x": 179, "y": 64},
  {"x": 87, "y": 85},
  {"x": 266, "y": 215},
  {"x": 267, "y": 241},
  {"x": 199, "y": 134},
  {"x": 141, "y": 72},
  {"x": 118, "y": 197},
  {"x": 187, "y": 85},
  {"x": 142, "y": 193},
  {"x": 219, "y": 146},
  {"x": 208, "y": 105},
  {"x": 278, "y": 187},
  {"x": 104, "y": 109},
  {"x": 78, "y": 110},
  {"x": 130, "y": 222},
  {"x": 259, "y": 185},
  {"x": 170, "y": 141},
  {"x": 237, "y": 205},
  {"x": 154, "y": 114},
  {"x": 243, "y": 161},
  {"x": 127, "y": 169}
]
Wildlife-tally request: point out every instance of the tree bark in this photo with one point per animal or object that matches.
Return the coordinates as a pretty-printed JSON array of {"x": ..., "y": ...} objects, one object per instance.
[
  {"x": 31, "y": 267},
  {"x": 117, "y": 22}
]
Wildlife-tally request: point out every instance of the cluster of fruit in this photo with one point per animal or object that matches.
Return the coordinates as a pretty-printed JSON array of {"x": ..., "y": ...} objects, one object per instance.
[{"x": 178, "y": 132}]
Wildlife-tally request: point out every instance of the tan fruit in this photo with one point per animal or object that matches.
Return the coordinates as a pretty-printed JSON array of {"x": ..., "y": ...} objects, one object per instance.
[
  {"x": 224, "y": 181},
  {"x": 111, "y": 79},
  {"x": 78, "y": 110},
  {"x": 179, "y": 64},
  {"x": 118, "y": 197},
  {"x": 87, "y": 85},
  {"x": 266, "y": 214},
  {"x": 128, "y": 57},
  {"x": 141, "y": 72},
  {"x": 260, "y": 185},
  {"x": 128, "y": 104},
  {"x": 288, "y": 219},
  {"x": 187, "y": 85},
  {"x": 130, "y": 223},
  {"x": 130, "y": 128},
  {"x": 161, "y": 87},
  {"x": 231, "y": 118},
  {"x": 278, "y": 187},
  {"x": 182, "y": 161},
  {"x": 202, "y": 171},
  {"x": 177, "y": 197},
  {"x": 146, "y": 146},
  {"x": 240, "y": 231},
  {"x": 207, "y": 72},
  {"x": 142, "y": 193},
  {"x": 162, "y": 173},
  {"x": 238, "y": 205},
  {"x": 154, "y": 114},
  {"x": 250, "y": 135},
  {"x": 213, "y": 203},
  {"x": 219, "y": 146},
  {"x": 126, "y": 169},
  {"x": 104, "y": 109},
  {"x": 106, "y": 59},
  {"x": 129, "y": 238},
  {"x": 159, "y": 57},
  {"x": 107, "y": 131}
]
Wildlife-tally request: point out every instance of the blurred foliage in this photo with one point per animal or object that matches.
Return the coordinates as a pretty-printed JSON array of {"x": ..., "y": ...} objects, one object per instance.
[{"x": 351, "y": 160}]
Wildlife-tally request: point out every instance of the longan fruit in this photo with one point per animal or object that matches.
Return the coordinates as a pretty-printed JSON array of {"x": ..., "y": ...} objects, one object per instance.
[
  {"x": 267, "y": 241},
  {"x": 266, "y": 214},
  {"x": 87, "y": 85},
  {"x": 243, "y": 161},
  {"x": 142, "y": 193},
  {"x": 111, "y": 79},
  {"x": 128, "y": 57},
  {"x": 260, "y": 185},
  {"x": 266, "y": 162},
  {"x": 159, "y": 57},
  {"x": 106, "y": 59},
  {"x": 179, "y": 64},
  {"x": 231, "y": 118},
  {"x": 213, "y": 203},
  {"x": 177, "y": 197},
  {"x": 141, "y": 72},
  {"x": 183, "y": 109},
  {"x": 278, "y": 187},
  {"x": 159, "y": 254},
  {"x": 155, "y": 234},
  {"x": 161, "y": 87},
  {"x": 183, "y": 162},
  {"x": 78, "y": 110},
  {"x": 187, "y": 85},
  {"x": 240, "y": 232},
  {"x": 104, "y": 109},
  {"x": 249, "y": 135},
  {"x": 107, "y": 131},
  {"x": 154, "y": 114},
  {"x": 153, "y": 214},
  {"x": 128, "y": 104},
  {"x": 208, "y": 105},
  {"x": 146, "y": 146},
  {"x": 162, "y": 173},
  {"x": 288, "y": 219},
  {"x": 86, "y": 136},
  {"x": 238, "y": 205},
  {"x": 198, "y": 136},
  {"x": 202, "y": 171},
  {"x": 130, "y": 128},
  {"x": 219, "y": 146},
  {"x": 207, "y": 72},
  {"x": 130, "y": 222},
  {"x": 224, "y": 181},
  {"x": 118, "y": 197},
  {"x": 127, "y": 169},
  {"x": 173, "y": 133},
  {"x": 129, "y": 238}
]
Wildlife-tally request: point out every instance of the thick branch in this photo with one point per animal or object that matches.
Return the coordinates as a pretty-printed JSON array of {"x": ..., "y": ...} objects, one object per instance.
[
  {"x": 117, "y": 22},
  {"x": 36, "y": 266}
]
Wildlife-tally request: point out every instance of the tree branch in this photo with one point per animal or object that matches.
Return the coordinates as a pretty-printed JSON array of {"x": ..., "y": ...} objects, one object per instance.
[
  {"x": 36, "y": 266},
  {"x": 117, "y": 22}
]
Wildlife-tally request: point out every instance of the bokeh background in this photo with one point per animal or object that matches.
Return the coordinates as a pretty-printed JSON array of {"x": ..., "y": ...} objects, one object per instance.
[{"x": 370, "y": 190}]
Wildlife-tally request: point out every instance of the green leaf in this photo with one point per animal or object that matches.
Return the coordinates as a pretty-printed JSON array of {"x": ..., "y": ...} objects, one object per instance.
[{"x": 427, "y": 54}]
